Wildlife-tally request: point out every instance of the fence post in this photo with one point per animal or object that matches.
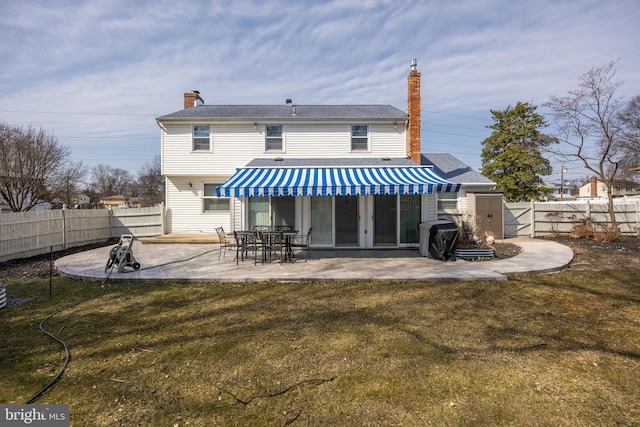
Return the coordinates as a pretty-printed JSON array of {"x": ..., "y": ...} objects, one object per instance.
[
  {"x": 110, "y": 222},
  {"x": 64, "y": 228},
  {"x": 588, "y": 213},
  {"x": 162, "y": 218},
  {"x": 533, "y": 219}
]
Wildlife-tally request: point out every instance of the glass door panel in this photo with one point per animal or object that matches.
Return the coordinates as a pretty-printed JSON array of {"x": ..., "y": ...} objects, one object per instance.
[
  {"x": 385, "y": 220},
  {"x": 410, "y": 215},
  {"x": 321, "y": 220},
  {"x": 347, "y": 217},
  {"x": 283, "y": 211},
  {"x": 258, "y": 211}
]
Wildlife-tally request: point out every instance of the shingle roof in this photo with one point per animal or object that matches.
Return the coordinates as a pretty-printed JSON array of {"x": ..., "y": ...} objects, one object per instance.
[
  {"x": 287, "y": 112},
  {"x": 452, "y": 169}
]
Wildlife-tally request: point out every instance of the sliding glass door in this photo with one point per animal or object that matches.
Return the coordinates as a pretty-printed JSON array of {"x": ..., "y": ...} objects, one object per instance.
[
  {"x": 385, "y": 220},
  {"x": 346, "y": 220},
  {"x": 322, "y": 220}
]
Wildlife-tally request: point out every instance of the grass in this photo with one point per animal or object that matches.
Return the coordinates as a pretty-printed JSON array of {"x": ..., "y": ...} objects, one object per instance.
[{"x": 561, "y": 349}]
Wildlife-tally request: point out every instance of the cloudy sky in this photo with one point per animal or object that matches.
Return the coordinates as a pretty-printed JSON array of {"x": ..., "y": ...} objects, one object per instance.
[{"x": 96, "y": 74}]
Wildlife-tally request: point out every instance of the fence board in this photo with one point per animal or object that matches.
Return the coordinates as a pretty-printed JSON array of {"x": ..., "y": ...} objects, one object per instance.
[
  {"x": 26, "y": 234},
  {"x": 561, "y": 217}
]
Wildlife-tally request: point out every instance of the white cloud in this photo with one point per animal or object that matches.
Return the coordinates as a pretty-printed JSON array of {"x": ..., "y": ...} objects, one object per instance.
[{"x": 120, "y": 63}]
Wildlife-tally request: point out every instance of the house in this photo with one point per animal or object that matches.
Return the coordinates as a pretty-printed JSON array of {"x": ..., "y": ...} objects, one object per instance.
[
  {"x": 561, "y": 192},
  {"x": 80, "y": 199},
  {"x": 454, "y": 205},
  {"x": 352, "y": 172},
  {"x": 597, "y": 188},
  {"x": 116, "y": 201}
]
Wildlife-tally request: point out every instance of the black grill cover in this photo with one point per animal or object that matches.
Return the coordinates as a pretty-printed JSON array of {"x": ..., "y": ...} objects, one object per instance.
[{"x": 442, "y": 241}]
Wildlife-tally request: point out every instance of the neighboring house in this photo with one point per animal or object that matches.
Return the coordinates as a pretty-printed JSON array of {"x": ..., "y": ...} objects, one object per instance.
[
  {"x": 559, "y": 192},
  {"x": 596, "y": 188},
  {"x": 80, "y": 199},
  {"x": 454, "y": 205},
  {"x": 352, "y": 172},
  {"x": 114, "y": 202}
]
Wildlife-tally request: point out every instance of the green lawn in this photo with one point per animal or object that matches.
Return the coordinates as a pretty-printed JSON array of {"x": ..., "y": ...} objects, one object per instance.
[{"x": 559, "y": 349}]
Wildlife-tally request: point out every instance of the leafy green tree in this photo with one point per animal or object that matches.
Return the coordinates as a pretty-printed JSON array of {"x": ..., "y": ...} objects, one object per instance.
[{"x": 512, "y": 154}]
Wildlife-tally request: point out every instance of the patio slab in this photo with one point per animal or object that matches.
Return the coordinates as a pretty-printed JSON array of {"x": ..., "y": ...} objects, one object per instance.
[{"x": 199, "y": 262}]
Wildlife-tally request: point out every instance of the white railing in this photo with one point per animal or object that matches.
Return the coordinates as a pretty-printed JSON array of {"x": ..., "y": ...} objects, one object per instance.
[
  {"x": 535, "y": 219},
  {"x": 25, "y": 234}
]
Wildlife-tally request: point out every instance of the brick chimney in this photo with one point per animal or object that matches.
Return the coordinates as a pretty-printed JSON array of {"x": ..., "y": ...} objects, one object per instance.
[
  {"x": 190, "y": 99},
  {"x": 594, "y": 186},
  {"x": 413, "y": 108}
]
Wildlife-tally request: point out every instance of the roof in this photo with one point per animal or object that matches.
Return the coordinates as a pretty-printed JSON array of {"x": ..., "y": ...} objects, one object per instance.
[
  {"x": 616, "y": 183},
  {"x": 452, "y": 169},
  {"x": 295, "y": 112},
  {"x": 331, "y": 162}
]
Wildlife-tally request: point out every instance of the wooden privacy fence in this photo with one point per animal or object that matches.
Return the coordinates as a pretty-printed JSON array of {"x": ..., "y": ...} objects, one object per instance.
[
  {"x": 25, "y": 234},
  {"x": 535, "y": 219}
]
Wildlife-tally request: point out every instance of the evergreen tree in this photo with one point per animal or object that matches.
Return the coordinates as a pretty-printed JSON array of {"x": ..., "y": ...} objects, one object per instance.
[{"x": 512, "y": 154}]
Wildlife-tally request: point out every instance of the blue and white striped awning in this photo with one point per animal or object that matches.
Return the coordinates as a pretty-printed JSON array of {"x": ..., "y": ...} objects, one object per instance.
[{"x": 334, "y": 181}]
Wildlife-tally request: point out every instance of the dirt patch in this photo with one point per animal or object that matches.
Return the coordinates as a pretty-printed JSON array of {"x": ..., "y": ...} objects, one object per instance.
[
  {"x": 38, "y": 267},
  {"x": 506, "y": 250},
  {"x": 591, "y": 255}
]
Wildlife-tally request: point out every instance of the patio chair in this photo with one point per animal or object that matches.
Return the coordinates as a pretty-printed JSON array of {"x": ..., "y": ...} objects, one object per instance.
[
  {"x": 303, "y": 242},
  {"x": 273, "y": 243},
  {"x": 225, "y": 242},
  {"x": 247, "y": 242}
]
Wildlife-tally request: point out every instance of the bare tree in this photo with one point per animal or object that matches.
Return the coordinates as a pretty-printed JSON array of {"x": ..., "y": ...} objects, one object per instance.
[
  {"x": 30, "y": 159},
  {"x": 122, "y": 180},
  {"x": 108, "y": 181},
  {"x": 68, "y": 181},
  {"x": 101, "y": 182},
  {"x": 630, "y": 117},
  {"x": 590, "y": 126},
  {"x": 151, "y": 183}
]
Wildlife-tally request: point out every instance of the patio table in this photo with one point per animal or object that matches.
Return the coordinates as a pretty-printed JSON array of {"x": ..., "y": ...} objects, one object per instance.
[{"x": 268, "y": 239}]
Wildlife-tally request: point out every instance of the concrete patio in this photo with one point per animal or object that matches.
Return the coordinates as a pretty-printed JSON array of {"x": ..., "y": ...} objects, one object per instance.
[{"x": 199, "y": 262}]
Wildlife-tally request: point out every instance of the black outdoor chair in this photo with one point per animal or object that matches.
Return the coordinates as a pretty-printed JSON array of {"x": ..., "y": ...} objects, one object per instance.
[
  {"x": 247, "y": 242},
  {"x": 303, "y": 242},
  {"x": 225, "y": 242},
  {"x": 273, "y": 244}
]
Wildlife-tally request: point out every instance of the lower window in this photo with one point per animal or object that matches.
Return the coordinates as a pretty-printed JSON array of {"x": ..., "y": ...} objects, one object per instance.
[{"x": 211, "y": 203}]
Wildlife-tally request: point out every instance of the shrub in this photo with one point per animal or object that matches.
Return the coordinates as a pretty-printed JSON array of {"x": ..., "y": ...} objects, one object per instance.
[
  {"x": 608, "y": 234},
  {"x": 587, "y": 229},
  {"x": 584, "y": 229}
]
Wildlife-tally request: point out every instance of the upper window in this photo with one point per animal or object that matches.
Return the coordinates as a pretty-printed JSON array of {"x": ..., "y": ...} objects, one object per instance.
[
  {"x": 359, "y": 137},
  {"x": 201, "y": 138},
  {"x": 273, "y": 138},
  {"x": 211, "y": 203}
]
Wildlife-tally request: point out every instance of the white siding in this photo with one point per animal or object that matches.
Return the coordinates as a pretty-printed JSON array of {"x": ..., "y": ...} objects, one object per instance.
[
  {"x": 429, "y": 207},
  {"x": 235, "y": 145},
  {"x": 184, "y": 207}
]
